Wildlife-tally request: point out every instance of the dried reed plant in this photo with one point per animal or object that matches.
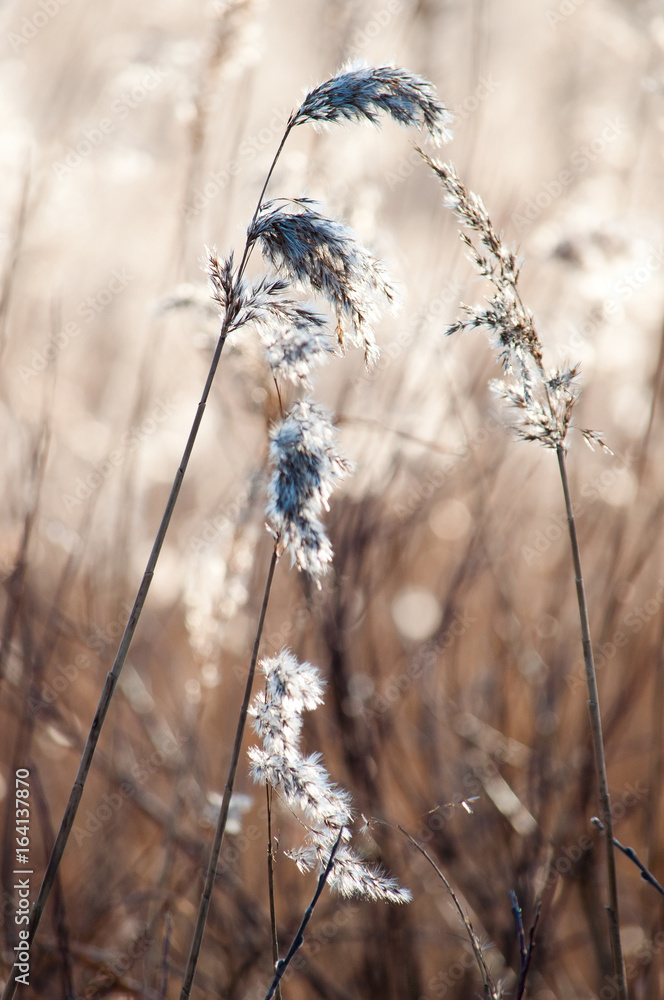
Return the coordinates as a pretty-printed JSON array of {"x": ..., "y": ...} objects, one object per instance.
[
  {"x": 316, "y": 254},
  {"x": 542, "y": 402}
]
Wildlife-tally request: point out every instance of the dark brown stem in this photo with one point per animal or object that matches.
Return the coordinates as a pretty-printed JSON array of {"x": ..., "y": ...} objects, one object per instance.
[
  {"x": 113, "y": 675},
  {"x": 598, "y": 740},
  {"x": 490, "y": 990},
  {"x": 630, "y": 853},
  {"x": 206, "y": 896},
  {"x": 270, "y": 882},
  {"x": 298, "y": 940}
]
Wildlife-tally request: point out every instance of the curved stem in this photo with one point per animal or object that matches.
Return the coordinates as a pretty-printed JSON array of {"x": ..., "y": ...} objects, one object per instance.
[
  {"x": 298, "y": 940},
  {"x": 249, "y": 244},
  {"x": 206, "y": 895},
  {"x": 270, "y": 881},
  {"x": 598, "y": 740},
  {"x": 490, "y": 990},
  {"x": 113, "y": 675}
]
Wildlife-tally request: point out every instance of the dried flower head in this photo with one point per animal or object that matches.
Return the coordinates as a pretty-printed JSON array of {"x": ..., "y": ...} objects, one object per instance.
[
  {"x": 290, "y": 689},
  {"x": 544, "y": 400},
  {"x": 324, "y": 256},
  {"x": 361, "y": 93},
  {"x": 307, "y": 466},
  {"x": 292, "y": 333},
  {"x": 294, "y": 336}
]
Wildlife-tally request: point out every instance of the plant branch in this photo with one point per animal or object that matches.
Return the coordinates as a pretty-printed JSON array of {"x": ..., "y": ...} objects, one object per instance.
[
  {"x": 206, "y": 895},
  {"x": 490, "y": 989},
  {"x": 298, "y": 940},
  {"x": 525, "y": 950},
  {"x": 630, "y": 853},
  {"x": 249, "y": 244},
  {"x": 598, "y": 740},
  {"x": 113, "y": 675},
  {"x": 270, "y": 882}
]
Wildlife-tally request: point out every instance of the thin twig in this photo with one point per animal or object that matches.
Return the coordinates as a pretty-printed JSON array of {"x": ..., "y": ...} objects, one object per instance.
[
  {"x": 630, "y": 853},
  {"x": 298, "y": 940},
  {"x": 113, "y": 675},
  {"x": 598, "y": 740},
  {"x": 60, "y": 911},
  {"x": 490, "y": 989},
  {"x": 249, "y": 245},
  {"x": 270, "y": 882},
  {"x": 206, "y": 896},
  {"x": 164, "y": 960},
  {"x": 525, "y": 950}
]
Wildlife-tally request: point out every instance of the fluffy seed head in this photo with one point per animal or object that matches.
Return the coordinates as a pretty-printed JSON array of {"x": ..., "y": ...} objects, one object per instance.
[
  {"x": 324, "y": 256},
  {"x": 307, "y": 466},
  {"x": 543, "y": 400},
  {"x": 303, "y": 782},
  {"x": 362, "y": 93}
]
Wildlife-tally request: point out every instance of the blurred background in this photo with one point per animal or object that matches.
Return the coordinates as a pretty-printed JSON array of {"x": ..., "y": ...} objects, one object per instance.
[{"x": 132, "y": 136}]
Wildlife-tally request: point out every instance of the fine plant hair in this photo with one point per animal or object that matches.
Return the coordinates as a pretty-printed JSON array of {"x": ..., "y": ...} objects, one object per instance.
[
  {"x": 312, "y": 252},
  {"x": 491, "y": 990},
  {"x": 304, "y": 784},
  {"x": 542, "y": 403},
  {"x": 298, "y": 940}
]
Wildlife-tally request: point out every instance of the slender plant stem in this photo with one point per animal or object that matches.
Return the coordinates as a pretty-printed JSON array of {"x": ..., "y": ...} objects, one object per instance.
[
  {"x": 598, "y": 740},
  {"x": 298, "y": 940},
  {"x": 525, "y": 951},
  {"x": 630, "y": 853},
  {"x": 206, "y": 895},
  {"x": 490, "y": 991},
  {"x": 249, "y": 244},
  {"x": 270, "y": 882},
  {"x": 113, "y": 675}
]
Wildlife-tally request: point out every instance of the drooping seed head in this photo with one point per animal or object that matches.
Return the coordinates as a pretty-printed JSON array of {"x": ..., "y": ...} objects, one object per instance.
[{"x": 362, "y": 93}]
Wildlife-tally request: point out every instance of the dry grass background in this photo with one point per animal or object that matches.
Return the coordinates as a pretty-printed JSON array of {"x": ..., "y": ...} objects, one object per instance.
[{"x": 447, "y": 630}]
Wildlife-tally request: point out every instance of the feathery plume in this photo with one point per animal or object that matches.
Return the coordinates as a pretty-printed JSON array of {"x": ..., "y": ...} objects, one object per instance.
[
  {"x": 293, "y": 335},
  {"x": 544, "y": 400},
  {"x": 325, "y": 256},
  {"x": 360, "y": 93},
  {"x": 290, "y": 689},
  {"x": 307, "y": 466}
]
